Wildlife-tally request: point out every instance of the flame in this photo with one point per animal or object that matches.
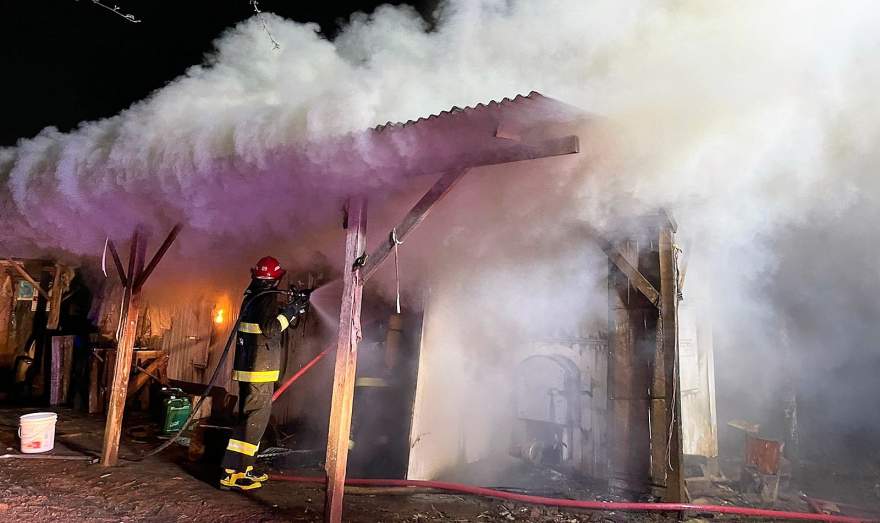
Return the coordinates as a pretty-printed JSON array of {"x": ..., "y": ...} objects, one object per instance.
[{"x": 219, "y": 316}]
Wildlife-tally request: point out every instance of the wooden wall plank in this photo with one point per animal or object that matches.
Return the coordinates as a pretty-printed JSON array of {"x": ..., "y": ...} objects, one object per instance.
[{"x": 61, "y": 367}]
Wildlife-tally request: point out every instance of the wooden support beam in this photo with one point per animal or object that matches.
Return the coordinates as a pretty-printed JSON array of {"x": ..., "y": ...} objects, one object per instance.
[
  {"x": 518, "y": 152},
  {"x": 666, "y": 385},
  {"x": 413, "y": 218},
  {"x": 54, "y": 302},
  {"x": 636, "y": 278},
  {"x": 123, "y": 278},
  {"x": 145, "y": 375},
  {"x": 134, "y": 279},
  {"x": 500, "y": 152},
  {"x": 346, "y": 361},
  {"x": 60, "y": 284},
  {"x": 628, "y": 381},
  {"x": 139, "y": 282},
  {"x": 122, "y": 367},
  {"x": 27, "y": 277},
  {"x": 139, "y": 262}
]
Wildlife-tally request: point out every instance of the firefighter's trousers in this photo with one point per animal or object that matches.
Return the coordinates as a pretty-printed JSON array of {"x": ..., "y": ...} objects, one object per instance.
[{"x": 255, "y": 407}]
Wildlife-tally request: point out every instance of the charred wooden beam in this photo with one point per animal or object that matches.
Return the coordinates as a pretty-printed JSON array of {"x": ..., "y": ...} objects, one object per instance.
[
  {"x": 666, "y": 372},
  {"x": 629, "y": 381},
  {"x": 413, "y": 218},
  {"x": 139, "y": 282},
  {"x": 636, "y": 278},
  {"x": 123, "y": 278},
  {"x": 346, "y": 361}
]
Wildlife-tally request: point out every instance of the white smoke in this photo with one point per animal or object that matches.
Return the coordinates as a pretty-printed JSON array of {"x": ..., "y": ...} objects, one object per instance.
[{"x": 754, "y": 122}]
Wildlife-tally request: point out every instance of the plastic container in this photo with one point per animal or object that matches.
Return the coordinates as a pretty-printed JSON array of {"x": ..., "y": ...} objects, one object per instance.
[
  {"x": 176, "y": 408},
  {"x": 37, "y": 432}
]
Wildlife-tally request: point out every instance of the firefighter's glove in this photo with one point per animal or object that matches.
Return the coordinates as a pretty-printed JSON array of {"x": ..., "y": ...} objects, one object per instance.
[{"x": 294, "y": 310}]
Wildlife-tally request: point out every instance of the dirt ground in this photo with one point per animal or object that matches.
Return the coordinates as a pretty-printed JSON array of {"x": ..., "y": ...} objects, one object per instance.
[{"x": 168, "y": 488}]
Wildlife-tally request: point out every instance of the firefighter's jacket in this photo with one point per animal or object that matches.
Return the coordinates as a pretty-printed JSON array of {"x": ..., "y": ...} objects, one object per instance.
[{"x": 258, "y": 351}]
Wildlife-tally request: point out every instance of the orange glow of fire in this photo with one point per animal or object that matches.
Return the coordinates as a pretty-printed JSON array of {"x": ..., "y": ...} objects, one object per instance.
[{"x": 219, "y": 316}]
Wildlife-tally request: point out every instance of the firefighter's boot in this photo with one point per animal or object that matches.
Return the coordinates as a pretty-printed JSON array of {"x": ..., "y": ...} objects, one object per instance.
[
  {"x": 253, "y": 475},
  {"x": 238, "y": 480}
]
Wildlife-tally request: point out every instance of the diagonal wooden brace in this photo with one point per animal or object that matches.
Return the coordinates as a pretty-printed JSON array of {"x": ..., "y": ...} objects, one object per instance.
[
  {"x": 413, "y": 218},
  {"x": 636, "y": 278},
  {"x": 145, "y": 375},
  {"x": 123, "y": 278},
  {"x": 142, "y": 277},
  {"x": 24, "y": 274}
]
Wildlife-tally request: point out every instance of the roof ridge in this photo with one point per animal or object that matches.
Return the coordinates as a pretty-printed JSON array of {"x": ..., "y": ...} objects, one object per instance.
[{"x": 491, "y": 104}]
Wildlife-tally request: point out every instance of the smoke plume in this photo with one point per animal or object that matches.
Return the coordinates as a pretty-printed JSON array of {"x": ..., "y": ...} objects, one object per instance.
[{"x": 755, "y": 123}]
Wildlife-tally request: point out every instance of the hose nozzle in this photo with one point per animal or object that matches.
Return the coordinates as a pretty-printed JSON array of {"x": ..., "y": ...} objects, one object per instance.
[{"x": 295, "y": 295}]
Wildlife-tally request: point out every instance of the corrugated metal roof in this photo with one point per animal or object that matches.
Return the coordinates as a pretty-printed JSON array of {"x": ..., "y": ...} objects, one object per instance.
[{"x": 533, "y": 100}]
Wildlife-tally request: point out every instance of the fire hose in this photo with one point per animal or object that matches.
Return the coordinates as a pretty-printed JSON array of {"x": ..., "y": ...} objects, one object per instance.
[
  {"x": 556, "y": 502},
  {"x": 220, "y": 365},
  {"x": 500, "y": 494},
  {"x": 298, "y": 374},
  {"x": 540, "y": 500},
  {"x": 573, "y": 503}
]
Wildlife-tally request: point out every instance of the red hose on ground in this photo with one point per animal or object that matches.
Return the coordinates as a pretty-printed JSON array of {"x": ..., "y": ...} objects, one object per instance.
[
  {"x": 299, "y": 373},
  {"x": 572, "y": 503}
]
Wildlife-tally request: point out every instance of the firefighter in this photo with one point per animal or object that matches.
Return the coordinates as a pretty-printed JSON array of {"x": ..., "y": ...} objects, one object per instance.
[{"x": 256, "y": 369}]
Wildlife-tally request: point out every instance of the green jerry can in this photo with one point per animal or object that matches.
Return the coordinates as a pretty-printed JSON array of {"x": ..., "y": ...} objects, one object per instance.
[{"x": 176, "y": 408}]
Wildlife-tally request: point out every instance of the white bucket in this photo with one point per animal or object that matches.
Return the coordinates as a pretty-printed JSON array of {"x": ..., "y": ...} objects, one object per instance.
[{"x": 37, "y": 432}]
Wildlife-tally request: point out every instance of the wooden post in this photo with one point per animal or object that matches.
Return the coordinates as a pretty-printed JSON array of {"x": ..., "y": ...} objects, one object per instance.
[
  {"x": 667, "y": 356},
  {"x": 124, "y": 350},
  {"x": 628, "y": 374},
  {"x": 132, "y": 283},
  {"x": 56, "y": 293},
  {"x": 96, "y": 404},
  {"x": 62, "y": 364},
  {"x": 644, "y": 340},
  {"x": 629, "y": 268},
  {"x": 349, "y": 326},
  {"x": 346, "y": 361},
  {"x": 60, "y": 284}
]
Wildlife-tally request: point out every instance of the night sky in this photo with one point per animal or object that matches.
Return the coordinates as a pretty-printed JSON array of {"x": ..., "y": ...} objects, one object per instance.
[{"x": 67, "y": 61}]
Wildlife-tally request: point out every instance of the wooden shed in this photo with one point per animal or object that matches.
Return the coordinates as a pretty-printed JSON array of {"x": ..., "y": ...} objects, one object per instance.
[{"x": 613, "y": 389}]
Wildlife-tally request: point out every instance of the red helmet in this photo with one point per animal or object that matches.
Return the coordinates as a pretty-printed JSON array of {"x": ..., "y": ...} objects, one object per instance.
[{"x": 268, "y": 268}]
